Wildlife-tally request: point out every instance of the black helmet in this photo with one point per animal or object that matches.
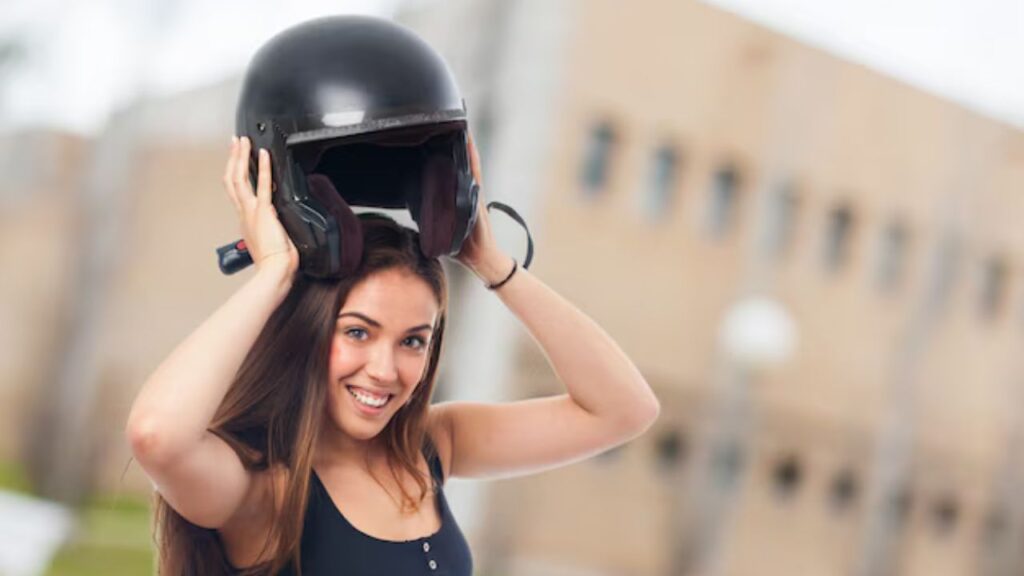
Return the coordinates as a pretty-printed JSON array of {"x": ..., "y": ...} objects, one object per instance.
[{"x": 356, "y": 111}]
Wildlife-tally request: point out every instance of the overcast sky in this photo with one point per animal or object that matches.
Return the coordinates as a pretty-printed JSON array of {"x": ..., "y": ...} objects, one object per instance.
[
  {"x": 88, "y": 56},
  {"x": 969, "y": 51}
]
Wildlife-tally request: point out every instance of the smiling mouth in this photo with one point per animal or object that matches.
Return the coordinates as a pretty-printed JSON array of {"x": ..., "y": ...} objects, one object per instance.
[{"x": 367, "y": 399}]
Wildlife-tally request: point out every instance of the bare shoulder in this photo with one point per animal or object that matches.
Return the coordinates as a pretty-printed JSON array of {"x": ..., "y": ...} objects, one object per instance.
[
  {"x": 509, "y": 439},
  {"x": 245, "y": 535},
  {"x": 440, "y": 432}
]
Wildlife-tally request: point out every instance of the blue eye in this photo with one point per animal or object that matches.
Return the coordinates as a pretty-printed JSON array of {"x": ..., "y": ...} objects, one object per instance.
[
  {"x": 413, "y": 342},
  {"x": 420, "y": 342},
  {"x": 357, "y": 333}
]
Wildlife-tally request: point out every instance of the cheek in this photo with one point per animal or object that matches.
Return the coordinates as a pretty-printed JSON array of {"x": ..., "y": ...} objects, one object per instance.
[
  {"x": 342, "y": 358},
  {"x": 412, "y": 370}
]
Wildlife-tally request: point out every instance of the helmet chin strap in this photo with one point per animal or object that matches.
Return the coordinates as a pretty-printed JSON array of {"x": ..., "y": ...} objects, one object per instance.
[{"x": 515, "y": 216}]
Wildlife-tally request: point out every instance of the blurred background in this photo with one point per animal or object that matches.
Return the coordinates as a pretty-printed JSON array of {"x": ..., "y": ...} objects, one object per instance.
[{"x": 798, "y": 218}]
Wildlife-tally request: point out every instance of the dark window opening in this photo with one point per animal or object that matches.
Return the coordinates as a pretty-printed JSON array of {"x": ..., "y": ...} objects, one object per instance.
[
  {"x": 839, "y": 237},
  {"x": 993, "y": 287},
  {"x": 843, "y": 490},
  {"x": 657, "y": 197},
  {"x": 944, "y": 514},
  {"x": 670, "y": 448},
  {"x": 598, "y": 157},
  {"x": 724, "y": 201},
  {"x": 786, "y": 476}
]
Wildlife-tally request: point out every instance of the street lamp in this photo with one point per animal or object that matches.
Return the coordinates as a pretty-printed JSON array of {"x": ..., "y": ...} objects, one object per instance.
[{"x": 756, "y": 333}]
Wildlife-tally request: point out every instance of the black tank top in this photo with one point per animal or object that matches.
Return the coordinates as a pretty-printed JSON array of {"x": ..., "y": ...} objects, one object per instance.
[{"x": 331, "y": 545}]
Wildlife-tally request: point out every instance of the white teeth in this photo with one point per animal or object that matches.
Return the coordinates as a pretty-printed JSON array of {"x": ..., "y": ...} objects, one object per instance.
[{"x": 369, "y": 400}]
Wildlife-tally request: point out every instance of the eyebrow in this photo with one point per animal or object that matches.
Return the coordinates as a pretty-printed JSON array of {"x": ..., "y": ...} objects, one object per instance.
[{"x": 376, "y": 324}]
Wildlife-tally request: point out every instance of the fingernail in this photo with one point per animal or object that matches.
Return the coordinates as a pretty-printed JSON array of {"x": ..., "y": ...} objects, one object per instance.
[{"x": 234, "y": 140}]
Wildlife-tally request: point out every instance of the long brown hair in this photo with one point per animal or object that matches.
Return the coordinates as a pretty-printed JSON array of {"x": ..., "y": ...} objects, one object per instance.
[{"x": 272, "y": 413}]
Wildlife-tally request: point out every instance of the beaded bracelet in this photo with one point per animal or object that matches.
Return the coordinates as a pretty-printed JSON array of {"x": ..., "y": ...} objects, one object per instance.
[{"x": 515, "y": 266}]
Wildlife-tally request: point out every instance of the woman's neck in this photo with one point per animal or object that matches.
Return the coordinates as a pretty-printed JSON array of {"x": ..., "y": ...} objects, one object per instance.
[{"x": 335, "y": 447}]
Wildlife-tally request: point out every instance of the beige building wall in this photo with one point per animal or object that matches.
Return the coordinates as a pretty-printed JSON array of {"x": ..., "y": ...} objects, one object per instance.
[
  {"x": 39, "y": 221},
  {"x": 168, "y": 283},
  {"x": 725, "y": 90}
]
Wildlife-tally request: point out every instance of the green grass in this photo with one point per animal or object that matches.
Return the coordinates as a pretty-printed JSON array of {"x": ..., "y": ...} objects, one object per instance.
[
  {"x": 113, "y": 535},
  {"x": 114, "y": 538},
  {"x": 87, "y": 560},
  {"x": 14, "y": 478}
]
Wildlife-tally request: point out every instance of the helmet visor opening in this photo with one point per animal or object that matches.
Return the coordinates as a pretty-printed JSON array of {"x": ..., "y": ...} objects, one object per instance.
[{"x": 381, "y": 170}]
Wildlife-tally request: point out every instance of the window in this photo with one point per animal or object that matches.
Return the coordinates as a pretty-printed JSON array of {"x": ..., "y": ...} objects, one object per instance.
[
  {"x": 786, "y": 476},
  {"x": 781, "y": 220},
  {"x": 723, "y": 202},
  {"x": 945, "y": 512},
  {"x": 661, "y": 181},
  {"x": 892, "y": 256},
  {"x": 993, "y": 287},
  {"x": 842, "y": 492},
  {"x": 670, "y": 448},
  {"x": 597, "y": 160},
  {"x": 838, "y": 237}
]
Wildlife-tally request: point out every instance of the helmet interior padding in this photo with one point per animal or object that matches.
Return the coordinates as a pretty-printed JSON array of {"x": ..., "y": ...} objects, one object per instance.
[
  {"x": 408, "y": 168},
  {"x": 437, "y": 205},
  {"x": 351, "y": 233}
]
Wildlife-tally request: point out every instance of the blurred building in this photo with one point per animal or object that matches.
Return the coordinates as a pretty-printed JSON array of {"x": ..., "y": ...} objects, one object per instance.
[
  {"x": 39, "y": 214},
  {"x": 670, "y": 158},
  {"x": 690, "y": 157}
]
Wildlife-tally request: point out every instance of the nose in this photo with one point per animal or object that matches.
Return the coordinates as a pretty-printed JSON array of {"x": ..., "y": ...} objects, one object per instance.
[{"x": 381, "y": 365}]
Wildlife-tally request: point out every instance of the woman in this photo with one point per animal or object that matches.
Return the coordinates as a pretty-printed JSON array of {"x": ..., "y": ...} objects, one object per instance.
[{"x": 293, "y": 430}]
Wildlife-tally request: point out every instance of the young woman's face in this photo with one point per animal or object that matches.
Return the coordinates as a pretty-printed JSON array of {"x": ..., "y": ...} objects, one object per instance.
[{"x": 380, "y": 350}]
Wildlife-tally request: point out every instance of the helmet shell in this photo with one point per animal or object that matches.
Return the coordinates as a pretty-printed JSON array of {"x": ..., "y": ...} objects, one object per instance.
[
  {"x": 358, "y": 111},
  {"x": 345, "y": 75}
]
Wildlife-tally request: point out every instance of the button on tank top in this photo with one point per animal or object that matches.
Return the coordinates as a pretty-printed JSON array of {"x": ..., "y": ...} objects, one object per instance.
[{"x": 331, "y": 545}]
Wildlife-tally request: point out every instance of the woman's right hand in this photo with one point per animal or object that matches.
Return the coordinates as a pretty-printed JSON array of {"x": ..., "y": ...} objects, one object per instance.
[{"x": 265, "y": 238}]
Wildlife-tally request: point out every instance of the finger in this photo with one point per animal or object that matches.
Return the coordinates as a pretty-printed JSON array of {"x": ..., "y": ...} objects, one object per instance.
[
  {"x": 264, "y": 178},
  {"x": 229, "y": 170},
  {"x": 474, "y": 160},
  {"x": 242, "y": 186}
]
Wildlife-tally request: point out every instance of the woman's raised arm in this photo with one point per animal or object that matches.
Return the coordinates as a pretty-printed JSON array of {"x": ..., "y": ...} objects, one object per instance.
[
  {"x": 194, "y": 470},
  {"x": 607, "y": 400}
]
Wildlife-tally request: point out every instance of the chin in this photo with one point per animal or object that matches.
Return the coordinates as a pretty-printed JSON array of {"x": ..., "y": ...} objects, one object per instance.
[
  {"x": 363, "y": 434},
  {"x": 354, "y": 426},
  {"x": 358, "y": 429}
]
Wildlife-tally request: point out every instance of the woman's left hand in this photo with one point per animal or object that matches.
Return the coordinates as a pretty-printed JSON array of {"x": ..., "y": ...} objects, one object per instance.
[{"x": 480, "y": 253}]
